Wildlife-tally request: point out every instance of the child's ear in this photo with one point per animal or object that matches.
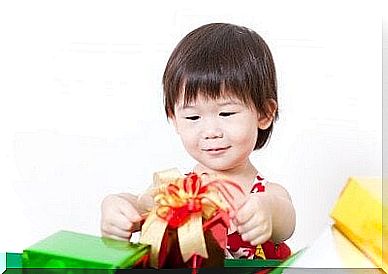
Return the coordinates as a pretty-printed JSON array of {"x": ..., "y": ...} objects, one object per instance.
[{"x": 265, "y": 120}]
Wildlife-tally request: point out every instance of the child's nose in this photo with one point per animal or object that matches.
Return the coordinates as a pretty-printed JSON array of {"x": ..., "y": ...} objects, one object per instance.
[
  {"x": 214, "y": 135},
  {"x": 211, "y": 131}
]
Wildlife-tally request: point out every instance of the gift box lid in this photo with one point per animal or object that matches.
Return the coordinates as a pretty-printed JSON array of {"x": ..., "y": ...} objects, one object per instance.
[{"x": 66, "y": 249}]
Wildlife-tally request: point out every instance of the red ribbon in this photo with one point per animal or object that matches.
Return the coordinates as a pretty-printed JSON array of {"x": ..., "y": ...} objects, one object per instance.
[
  {"x": 178, "y": 201},
  {"x": 177, "y": 214}
]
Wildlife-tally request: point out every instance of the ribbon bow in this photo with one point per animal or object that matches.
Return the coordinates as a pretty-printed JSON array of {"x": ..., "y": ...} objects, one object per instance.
[
  {"x": 188, "y": 196},
  {"x": 181, "y": 203}
]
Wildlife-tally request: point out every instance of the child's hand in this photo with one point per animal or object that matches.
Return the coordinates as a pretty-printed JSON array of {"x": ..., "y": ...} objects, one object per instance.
[
  {"x": 118, "y": 217},
  {"x": 254, "y": 219}
]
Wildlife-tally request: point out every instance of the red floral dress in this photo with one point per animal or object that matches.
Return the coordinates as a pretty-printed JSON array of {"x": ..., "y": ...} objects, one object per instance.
[{"x": 238, "y": 249}]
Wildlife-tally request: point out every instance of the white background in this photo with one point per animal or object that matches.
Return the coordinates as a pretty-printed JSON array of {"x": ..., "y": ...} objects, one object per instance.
[{"x": 81, "y": 112}]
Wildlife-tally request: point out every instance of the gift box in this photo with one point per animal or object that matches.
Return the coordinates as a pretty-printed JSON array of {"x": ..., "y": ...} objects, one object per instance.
[
  {"x": 187, "y": 227},
  {"x": 358, "y": 214},
  {"x": 66, "y": 249},
  {"x": 214, "y": 232}
]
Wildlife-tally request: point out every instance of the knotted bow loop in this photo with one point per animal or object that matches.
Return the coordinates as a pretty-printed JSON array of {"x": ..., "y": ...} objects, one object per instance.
[
  {"x": 186, "y": 196},
  {"x": 182, "y": 203}
]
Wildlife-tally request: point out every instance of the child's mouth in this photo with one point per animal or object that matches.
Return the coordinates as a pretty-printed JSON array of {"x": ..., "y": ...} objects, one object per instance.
[{"x": 217, "y": 149}]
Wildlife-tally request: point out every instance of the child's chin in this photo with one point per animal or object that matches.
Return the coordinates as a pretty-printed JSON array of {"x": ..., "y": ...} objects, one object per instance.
[{"x": 218, "y": 166}]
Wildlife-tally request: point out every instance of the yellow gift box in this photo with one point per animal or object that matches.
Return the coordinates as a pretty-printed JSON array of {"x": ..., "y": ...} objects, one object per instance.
[{"x": 358, "y": 214}]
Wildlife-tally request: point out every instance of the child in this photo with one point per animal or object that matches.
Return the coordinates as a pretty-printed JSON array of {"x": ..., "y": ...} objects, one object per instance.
[{"x": 220, "y": 94}]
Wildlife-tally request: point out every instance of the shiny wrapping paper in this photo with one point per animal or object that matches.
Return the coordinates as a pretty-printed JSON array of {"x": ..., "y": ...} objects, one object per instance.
[
  {"x": 72, "y": 250},
  {"x": 358, "y": 214}
]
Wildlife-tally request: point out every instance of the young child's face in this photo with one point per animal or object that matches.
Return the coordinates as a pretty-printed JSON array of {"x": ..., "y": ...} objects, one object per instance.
[{"x": 220, "y": 134}]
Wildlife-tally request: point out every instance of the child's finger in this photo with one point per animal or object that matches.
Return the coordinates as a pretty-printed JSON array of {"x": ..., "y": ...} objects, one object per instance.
[
  {"x": 232, "y": 214},
  {"x": 239, "y": 201},
  {"x": 245, "y": 212},
  {"x": 260, "y": 238},
  {"x": 251, "y": 235},
  {"x": 145, "y": 201},
  {"x": 122, "y": 222},
  {"x": 109, "y": 229},
  {"x": 128, "y": 211},
  {"x": 112, "y": 236},
  {"x": 125, "y": 234},
  {"x": 247, "y": 226}
]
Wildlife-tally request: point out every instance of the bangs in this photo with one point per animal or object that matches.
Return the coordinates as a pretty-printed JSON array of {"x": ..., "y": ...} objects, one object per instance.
[
  {"x": 228, "y": 63},
  {"x": 212, "y": 85}
]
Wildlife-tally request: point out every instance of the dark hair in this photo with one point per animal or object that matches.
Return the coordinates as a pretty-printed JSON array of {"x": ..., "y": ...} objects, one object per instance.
[{"x": 222, "y": 59}]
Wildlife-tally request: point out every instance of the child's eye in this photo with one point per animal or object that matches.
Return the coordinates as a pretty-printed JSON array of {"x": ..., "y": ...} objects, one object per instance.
[
  {"x": 226, "y": 114},
  {"x": 193, "y": 118}
]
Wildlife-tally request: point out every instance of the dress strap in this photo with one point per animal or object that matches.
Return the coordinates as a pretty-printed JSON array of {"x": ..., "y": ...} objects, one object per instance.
[{"x": 259, "y": 185}]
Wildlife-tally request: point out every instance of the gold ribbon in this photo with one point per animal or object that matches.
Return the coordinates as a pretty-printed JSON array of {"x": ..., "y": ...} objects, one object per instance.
[
  {"x": 152, "y": 234},
  {"x": 190, "y": 232}
]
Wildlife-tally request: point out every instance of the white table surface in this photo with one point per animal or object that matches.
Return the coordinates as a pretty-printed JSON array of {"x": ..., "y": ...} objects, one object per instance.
[{"x": 333, "y": 250}]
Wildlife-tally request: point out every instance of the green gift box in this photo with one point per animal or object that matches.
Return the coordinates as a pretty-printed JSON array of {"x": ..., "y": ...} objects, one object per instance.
[{"x": 66, "y": 249}]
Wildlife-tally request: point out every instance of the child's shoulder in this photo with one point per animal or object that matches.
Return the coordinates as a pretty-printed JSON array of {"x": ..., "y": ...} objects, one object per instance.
[
  {"x": 278, "y": 189},
  {"x": 273, "y": 187}
]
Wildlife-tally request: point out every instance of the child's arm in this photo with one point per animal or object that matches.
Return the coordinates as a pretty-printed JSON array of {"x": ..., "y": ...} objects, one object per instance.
[
  {"x": 119, "y": 216},
  {"x": 266, "y": 215},
  {"x": 283, "y": 212}
]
